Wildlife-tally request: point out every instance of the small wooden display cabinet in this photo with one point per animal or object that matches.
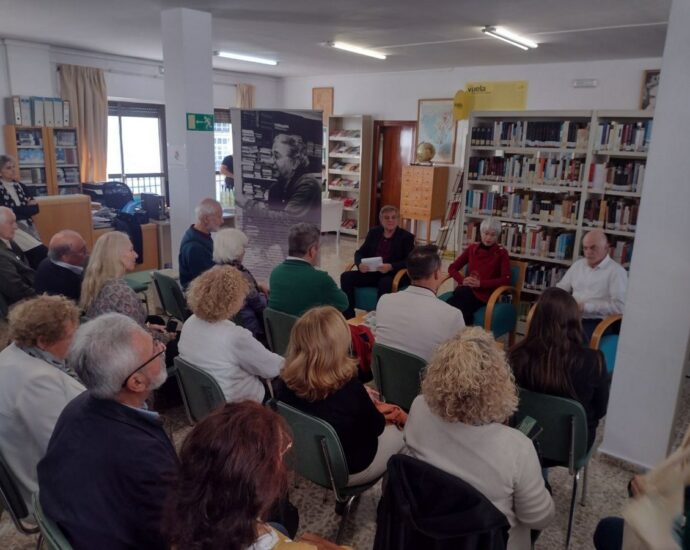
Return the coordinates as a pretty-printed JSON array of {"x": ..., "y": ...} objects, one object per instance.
[{"x": 423, "y": 195}]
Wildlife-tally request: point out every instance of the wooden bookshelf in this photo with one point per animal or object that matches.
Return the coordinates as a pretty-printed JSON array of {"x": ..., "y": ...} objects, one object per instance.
[
  {"x": 551, "y": 176},
  {"x": 349, "y": 168},
  {"x": 47, "y": 158}
]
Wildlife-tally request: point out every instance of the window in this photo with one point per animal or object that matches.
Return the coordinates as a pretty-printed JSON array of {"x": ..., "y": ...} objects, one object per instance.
[
  {"x": 222, "y": 144},
  {"x": 136, "y": 152}
]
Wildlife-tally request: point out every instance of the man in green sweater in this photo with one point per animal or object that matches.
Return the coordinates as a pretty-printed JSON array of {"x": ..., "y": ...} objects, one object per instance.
[{"x": 296, "y": 285}]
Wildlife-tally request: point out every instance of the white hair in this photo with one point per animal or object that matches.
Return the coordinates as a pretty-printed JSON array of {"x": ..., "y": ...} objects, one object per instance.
[
  {"x": 5, "y": 214},
  {"x": 102, "y": 353},
  {"x": 491, "y": 224},
  {"x": 228, "y": 245},
  {"x": 206, "y": 207}
]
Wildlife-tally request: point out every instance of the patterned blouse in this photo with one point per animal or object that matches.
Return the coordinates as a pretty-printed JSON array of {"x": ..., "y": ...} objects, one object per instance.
[{"x": 117, "y": 296}]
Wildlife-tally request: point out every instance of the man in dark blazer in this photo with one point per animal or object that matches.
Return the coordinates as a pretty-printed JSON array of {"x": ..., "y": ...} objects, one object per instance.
[
  {"x": 16, "y": 277},
  {"x": 61, "y": 272},
  {"x": 109, "y": 463},
  {"x": 389, "y": 241}
]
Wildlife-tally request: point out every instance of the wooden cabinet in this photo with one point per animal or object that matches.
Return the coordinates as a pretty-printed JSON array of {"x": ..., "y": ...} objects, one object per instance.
[
  {"x": 64, "y": 212},
  {"x": 423, "y": 194}
]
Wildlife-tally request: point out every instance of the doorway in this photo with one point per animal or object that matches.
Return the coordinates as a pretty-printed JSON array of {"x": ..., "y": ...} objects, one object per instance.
[{"x": 394, "y": 146}]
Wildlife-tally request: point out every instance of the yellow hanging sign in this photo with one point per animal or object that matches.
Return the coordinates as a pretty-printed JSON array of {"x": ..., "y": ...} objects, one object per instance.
[{"x": 503, "y": 95}]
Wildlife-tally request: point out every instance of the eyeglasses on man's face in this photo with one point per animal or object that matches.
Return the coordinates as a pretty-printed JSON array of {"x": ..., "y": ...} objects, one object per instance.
[{"x": 158, "y": 348}]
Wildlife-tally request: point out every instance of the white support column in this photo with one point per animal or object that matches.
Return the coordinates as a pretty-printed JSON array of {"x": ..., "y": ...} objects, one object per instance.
[
  {"x": 187, "y": 58},
  {"x": 654, "y": 337}
]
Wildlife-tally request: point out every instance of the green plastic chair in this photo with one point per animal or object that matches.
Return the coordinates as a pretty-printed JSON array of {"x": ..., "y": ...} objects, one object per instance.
[
  {"x": 51, "y": 533},
  {"x": 171, "y": 297},
  {"x": 498, "y": 317},
  {"x": 563, "y": 440},
  {"x": 318, "y": 456},
  {"x": 278, "y": 326},
  {"x": 201, "y": 393},
  {"x": 12, "y": 501},
  {"x": 397, "y": 375}
]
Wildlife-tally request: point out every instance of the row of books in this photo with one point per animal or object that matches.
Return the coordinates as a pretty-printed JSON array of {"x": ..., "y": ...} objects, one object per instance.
[
  {"x": 613, "y": 214},
  {"x": 30, "y": 156},
  {"x": 38, "y": 111},
  {"x": 345, "y": 182},
  {"x": 618, "y": 175},
  {"x": 624, "y": 136},
  {"x": 621, "y": 251},
  {"x": 541, "y": 276},
  {"x": 562, "y": 133},
  {"x": 65, "y": 138},
  {"x": 523, "y": 206},
  {"x": 349, "y": 134},
  {"x": 345, "y": 166},
  {"x": 346, "y": 150},
  {"x": 32, "y": 176},
  {"x": 29, "y": 138},
  {"x": 562, "y": 169},
  {"x": 538, "y": 242},
  {"x": 68, "y": 176},
  {"x": 66, "y": 155}
]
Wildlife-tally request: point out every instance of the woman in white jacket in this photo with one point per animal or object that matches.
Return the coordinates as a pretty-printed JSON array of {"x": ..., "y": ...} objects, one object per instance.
[{"x": 212, "y": 342}]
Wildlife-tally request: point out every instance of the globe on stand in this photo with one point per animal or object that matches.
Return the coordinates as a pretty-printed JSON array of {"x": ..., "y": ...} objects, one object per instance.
[{"x": 425, "y": 152}]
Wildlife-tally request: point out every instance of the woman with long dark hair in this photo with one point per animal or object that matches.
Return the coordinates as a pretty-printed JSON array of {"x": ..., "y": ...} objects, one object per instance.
[{"x": 553, "y": 358}]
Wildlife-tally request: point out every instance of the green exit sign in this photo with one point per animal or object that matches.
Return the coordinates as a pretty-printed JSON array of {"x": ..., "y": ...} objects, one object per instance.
[{"x": 199, "y": 122}]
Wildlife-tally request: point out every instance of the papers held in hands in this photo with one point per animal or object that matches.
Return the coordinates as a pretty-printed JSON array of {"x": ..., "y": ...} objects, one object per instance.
[{"x": 373, "y": 263}]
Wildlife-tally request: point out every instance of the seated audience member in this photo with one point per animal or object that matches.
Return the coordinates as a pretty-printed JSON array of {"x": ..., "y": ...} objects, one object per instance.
[
  {"x": 61, "y": 272},
  {"x": 320, "y": 379},
  {"x": 415, "y": 320},
  {"x": 231, "y": 474},
  {"x": 196, "y": 248},
  {"x": 458, "y": 425},
  {"x": 212, "y": 342},
  {"x": 389, "y": 241},
  {"x": 554, "y": 359},
  {"x": 35, "y": 384},
  {"x": 109, "y": 463},
  {"x": 16, "y": 277},
  {"x": 488, "y": 265},
  {"x": 296, "y": 285},
  {"x": 596, "y": 282},
  {"x": 229, "y": 247}
]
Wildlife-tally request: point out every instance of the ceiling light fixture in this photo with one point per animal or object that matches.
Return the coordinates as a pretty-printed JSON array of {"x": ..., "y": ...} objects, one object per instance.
[
  {"x": 242, "y": 57},
  {"x": 510, "y": 37},
  {"x": 356, "y": 49}
]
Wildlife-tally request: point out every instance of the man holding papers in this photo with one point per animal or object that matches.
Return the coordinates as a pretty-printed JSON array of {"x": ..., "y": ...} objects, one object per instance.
[{"x": 380, "y": 257}]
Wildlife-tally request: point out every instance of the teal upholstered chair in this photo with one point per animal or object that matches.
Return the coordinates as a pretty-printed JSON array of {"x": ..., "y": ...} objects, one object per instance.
[
  {"x": 366, "y": 297},
  {"x": 498, "y": 317},
  {"x": 563, "y": 441},
  {"x": 605, "y": 342},
  {"x": 171, "y": 296},
  {"x": 318, "y": 456},
  {"x": 51, "y": 533},
  {"x": 397, "y": 374}
]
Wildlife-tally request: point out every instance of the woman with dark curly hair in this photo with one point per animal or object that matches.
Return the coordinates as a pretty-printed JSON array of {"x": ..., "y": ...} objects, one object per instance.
[
  {"x": 212, "y": 342},
  {"x": 231, "y": 474},
  {"x": 553, "y": 358},
  {"x": 457, "y": 425}
]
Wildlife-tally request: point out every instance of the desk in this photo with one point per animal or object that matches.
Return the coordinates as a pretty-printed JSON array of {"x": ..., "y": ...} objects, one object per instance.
[
  {"x": 58, "y": 212},
  {"x": 149, "y": 234}
]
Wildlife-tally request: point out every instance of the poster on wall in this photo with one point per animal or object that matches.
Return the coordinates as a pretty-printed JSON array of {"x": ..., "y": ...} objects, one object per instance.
[
  {"x": 499, "y": 95},
  {"x": 436, "y": 125},
  {"x": 277, "y": 179}
]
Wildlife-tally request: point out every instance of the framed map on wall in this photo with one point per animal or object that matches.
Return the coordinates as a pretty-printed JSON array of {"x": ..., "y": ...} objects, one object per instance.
[{"x": 436, "y": 125}]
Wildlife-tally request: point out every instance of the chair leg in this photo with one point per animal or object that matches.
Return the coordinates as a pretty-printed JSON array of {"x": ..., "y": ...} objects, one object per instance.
[
  {"x": 184, "y": 399},
  {"x": 583, "y": 499},
  {"x": 39, "y": 542},
  {"x": 573, "y": 497},
  {"x": 343, "y": 507}
]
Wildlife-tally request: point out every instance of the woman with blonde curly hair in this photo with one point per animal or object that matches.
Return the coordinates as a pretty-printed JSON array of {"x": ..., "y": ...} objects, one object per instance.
[
  {"x": 458, "y": 425},
  {"x": 35, "y": 383},
  {"x": 320, "y": 379},
  {"x": 212, "y": 342}
]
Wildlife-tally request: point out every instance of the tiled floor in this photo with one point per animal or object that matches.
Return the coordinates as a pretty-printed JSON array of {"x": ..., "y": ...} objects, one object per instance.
[{"x": 606, "y": 492}]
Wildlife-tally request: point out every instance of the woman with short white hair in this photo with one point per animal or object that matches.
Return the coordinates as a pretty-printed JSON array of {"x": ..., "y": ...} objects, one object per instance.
[
  {"x": 488, "y": 267},
  {"x": 229, "y": 246}
]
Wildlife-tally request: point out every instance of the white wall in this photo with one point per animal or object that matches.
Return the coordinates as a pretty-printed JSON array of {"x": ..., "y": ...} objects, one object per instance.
[{"x": 393, "y": 96}]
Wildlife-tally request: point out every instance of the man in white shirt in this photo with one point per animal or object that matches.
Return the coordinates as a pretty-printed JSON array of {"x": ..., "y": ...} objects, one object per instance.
[
  {"x": 415, "y": 320},
  {"x": 596, "y": 281}
]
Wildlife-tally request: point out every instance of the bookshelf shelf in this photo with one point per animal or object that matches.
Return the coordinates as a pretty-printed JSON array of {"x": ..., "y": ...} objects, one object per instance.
[
  {"x": 349, "y": 146},
  {"x": 572, "y": 152}
]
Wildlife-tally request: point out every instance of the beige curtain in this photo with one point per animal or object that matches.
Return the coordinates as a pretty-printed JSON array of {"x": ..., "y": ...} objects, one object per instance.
[
  {"x": 245, "y": 96},
  {"x": 84, "y": 88}
]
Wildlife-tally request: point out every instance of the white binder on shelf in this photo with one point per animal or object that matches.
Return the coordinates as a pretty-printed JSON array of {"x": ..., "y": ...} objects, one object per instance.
[
  {"x": 37, "y": 113},
  {"x": 48, "y": 112}
]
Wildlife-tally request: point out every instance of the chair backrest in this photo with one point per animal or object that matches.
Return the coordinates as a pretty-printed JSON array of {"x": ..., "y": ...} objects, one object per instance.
[
  {"x": 316, "y": 450},
  {"x": 605, "y": 339},
  {"x": 11, "y": 499},
  {"x": 564, "y": 424},
  {"x": 517, "y": 275},
  {"x": 331, "y": 215},
  {"x": 278, "y": 327},
  {"x": 171, "y": 296},
  {"x": 201, "y": 392},
  {"x": 397, "y": 374},
  {"x": 51, "y": 532}
]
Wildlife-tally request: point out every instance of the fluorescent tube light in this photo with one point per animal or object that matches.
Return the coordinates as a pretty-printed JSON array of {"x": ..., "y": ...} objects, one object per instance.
[
  {"x": 250, "y": 58},
  {"x": 510, "y": 37},
  {"x": 356, "y": 49}
]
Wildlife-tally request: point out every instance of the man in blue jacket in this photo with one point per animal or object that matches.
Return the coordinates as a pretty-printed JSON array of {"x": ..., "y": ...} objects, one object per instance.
[
  {"x": 196, "y": 248},
  {"x": 109, "y": 462}
]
